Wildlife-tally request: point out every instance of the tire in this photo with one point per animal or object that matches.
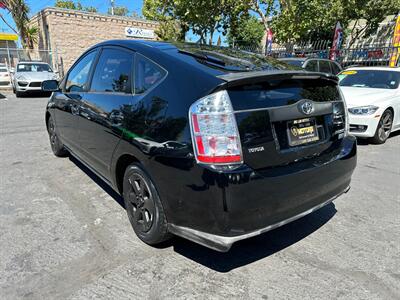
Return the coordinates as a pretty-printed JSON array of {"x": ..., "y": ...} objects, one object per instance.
[
  {"x": 56, "y": 145},
  {"x": 18, "y": 94},
  {"x": 143, "y": 206},
  {"x": 384, "y": 128}
]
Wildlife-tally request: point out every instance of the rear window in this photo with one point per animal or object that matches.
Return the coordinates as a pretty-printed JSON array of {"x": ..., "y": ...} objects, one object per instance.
[
  {"x": 3, "y": 70},
  {"x": 282, "y": 92}
]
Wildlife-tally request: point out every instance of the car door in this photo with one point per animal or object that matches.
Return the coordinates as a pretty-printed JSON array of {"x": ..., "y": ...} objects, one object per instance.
[
  {"x": 67, "y": 101},
  {"x": 101, "y": 114}
]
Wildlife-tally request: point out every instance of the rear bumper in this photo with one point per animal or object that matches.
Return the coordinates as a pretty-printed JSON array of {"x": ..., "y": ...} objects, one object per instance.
[
  {"x": 218, "y": 209},
  {"x": 224, "y": 243}
]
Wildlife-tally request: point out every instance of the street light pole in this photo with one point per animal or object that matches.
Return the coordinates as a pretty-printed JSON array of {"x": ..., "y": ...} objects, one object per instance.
[{"x": 112, "y": 7}]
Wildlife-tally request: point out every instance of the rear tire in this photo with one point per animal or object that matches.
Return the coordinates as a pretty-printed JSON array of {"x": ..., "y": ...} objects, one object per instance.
[
  {"x": 56, "y": 145},
  {"x": 143, "y": 206},
  {"x": 384, "y": 128}
]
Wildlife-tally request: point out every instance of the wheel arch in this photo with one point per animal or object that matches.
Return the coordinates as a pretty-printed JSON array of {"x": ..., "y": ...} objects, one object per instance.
[
  {"x": 47, "y": 117},
  {"x": 122, "y": 163}
]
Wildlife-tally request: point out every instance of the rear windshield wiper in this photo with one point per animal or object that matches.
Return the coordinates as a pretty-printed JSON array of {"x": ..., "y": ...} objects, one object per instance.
[{"x": 204, "y": 57}]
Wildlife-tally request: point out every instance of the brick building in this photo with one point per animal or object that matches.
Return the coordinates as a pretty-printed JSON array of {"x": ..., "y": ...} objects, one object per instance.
[{"x": 67, "y": 33}]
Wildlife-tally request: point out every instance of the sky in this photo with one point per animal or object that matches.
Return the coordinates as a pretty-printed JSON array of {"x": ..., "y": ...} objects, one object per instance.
[{"x": 101, "y": 5}]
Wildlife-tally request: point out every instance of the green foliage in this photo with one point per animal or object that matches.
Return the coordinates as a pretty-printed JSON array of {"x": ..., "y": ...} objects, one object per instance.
[
  {"x": 298, "y": 20},
  {"x": 90, "y": 9},
  {"x": 69, "y": 4},
  {"x": 19, "y": 11},
  {"x": 119, "y": 11},
  {"x": 248, "y": 32},
  {"x": 32, "y": 33}
]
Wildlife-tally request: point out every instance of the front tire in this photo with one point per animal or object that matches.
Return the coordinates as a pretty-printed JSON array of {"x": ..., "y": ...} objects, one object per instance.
[
  {"x": 56, "y": 145},
  {"x": 384, "y": 128},
  {"x": 18, "y": 94},
  {"x": 143, "y": 206}
]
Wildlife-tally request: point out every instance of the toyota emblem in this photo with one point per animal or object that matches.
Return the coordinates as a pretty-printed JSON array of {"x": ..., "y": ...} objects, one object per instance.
[{"x": 307, "y": 107}]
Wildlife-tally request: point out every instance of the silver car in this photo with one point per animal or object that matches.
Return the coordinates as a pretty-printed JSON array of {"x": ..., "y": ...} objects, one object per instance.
[{"x": 29, "y": 75}]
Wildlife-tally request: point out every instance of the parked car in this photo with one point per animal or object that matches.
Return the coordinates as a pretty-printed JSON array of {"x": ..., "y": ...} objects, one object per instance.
[
  {"x": 29, "y": 75},
  {"x": 4, "y": 75},
  {"x": 373, "y": 99},
  {"x": 314, "y": 64},
  {"x": 209, "y": 144}
]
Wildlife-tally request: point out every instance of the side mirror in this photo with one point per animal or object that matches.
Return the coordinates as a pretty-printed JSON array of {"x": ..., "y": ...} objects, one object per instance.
[{"x": 50, "y": 86}]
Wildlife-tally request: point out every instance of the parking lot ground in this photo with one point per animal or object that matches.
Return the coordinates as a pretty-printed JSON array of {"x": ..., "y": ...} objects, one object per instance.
[{"x": 65, "y": 235}]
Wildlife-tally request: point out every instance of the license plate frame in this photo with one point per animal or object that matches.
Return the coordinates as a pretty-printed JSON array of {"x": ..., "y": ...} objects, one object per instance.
[{"x": 302, "y": 131}]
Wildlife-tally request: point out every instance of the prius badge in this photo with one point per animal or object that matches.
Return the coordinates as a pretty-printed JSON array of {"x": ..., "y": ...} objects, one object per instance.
[{"x": 307, "y": 107}]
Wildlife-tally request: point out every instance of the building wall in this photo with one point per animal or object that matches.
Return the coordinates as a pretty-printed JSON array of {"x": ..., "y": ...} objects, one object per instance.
[{"x": 68, "y": 33}]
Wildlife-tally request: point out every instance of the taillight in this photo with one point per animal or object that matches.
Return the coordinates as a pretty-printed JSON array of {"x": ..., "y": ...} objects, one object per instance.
[{"x": 214, "y": 131}]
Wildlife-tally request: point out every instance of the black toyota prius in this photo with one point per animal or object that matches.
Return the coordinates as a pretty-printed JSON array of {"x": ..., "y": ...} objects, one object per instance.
[{"x": 210, "y": 144}]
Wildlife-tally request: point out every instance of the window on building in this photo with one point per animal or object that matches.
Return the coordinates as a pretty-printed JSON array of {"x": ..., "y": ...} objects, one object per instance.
[
  {"x": 113, "y": 72},
  {"x": 324, "y": 66},
  {"x": 312, "y": 66},
  {"x": 147, "y": 74},
  {"x": 78, "y": 76}
]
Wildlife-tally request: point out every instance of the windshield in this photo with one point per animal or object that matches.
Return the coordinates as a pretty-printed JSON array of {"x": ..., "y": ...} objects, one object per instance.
[
  {"x": 34, "y": 68},
  {"x": 376, "y": 79}
]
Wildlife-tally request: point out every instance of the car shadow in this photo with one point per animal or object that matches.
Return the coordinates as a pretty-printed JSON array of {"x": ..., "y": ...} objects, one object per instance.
[
  {"x": 365, "y": 142},
  {"x": 243, "y": 252},
  {"x": 248, "y": 251},
  {"x": 117, "y": 197}
]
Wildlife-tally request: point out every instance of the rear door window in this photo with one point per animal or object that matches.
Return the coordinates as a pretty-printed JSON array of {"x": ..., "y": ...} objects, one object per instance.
[
  {"x": 325, "y": 66},
  {"x": 335, "y": 68},
  {"x": 147, "y": 74},
  {"x": 312, "y": 66},
  {"x": 113, "y": 72},
  {"x": 79, "y": 74}
]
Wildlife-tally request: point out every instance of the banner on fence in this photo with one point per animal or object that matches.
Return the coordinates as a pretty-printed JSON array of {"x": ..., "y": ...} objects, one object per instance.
[
  {"x": 337, "y": 42},
  {"x": 396, "y": 43}
]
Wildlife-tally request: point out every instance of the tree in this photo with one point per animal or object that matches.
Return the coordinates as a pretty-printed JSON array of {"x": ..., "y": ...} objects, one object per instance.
[
  {"x": 32, "y": 33},
  {"x": 248, "y": 32},
  {"x": 19, "y": 11},
  {"x": 299, "y": 20},
  {"x": 119, "y": 11},
  {"x": 68, "y": 4}
]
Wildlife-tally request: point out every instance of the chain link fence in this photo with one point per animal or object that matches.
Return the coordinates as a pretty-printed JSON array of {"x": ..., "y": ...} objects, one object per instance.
[{"x": 360, "y": 54}]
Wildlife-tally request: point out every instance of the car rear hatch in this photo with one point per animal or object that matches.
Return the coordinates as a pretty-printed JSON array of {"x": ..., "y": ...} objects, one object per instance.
[{"x": 286, "y": 116}]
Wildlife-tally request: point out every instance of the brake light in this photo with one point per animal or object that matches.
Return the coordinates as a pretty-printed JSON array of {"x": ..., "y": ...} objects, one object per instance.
[{"x": 214, "y": 131}]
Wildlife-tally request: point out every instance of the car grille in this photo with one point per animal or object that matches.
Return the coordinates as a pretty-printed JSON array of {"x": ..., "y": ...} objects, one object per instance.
[{"x": 35, "y": 84}]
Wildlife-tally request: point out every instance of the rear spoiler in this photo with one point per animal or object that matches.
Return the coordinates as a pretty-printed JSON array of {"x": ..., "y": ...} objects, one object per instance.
[{"x": 233, "y": 79}]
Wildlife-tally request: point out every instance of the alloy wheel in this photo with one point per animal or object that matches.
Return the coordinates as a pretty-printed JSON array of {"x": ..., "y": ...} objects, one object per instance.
[
  {"x": 143, "y": 209},
  {"x": 52, "y": 133},
  {"x": 385, "y": 126}
]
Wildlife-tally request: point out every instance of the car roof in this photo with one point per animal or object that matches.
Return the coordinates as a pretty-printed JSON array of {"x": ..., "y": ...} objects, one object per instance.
[
  {"x": 209, "y": 59},
  {"x": 396, "y": 69}
]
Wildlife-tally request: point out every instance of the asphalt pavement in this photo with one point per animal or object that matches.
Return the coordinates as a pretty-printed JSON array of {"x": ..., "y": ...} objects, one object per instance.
[{"x": 65, "y": 235}]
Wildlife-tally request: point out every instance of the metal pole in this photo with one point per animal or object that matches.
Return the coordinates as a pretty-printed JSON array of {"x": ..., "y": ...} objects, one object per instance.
[
  {"x": 8, "y": 56},
  {"x": 112, "y": 7}
]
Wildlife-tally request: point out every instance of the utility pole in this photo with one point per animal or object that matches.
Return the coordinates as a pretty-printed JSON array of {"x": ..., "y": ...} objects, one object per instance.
[{"x": 112, "y": 7}]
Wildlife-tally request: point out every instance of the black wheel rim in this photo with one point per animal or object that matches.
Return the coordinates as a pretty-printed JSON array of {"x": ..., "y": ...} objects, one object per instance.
[
  {"x": 142, "y": 203},
  {"x": 52, "y": 134},
  {"x": 385, "y": 126}
]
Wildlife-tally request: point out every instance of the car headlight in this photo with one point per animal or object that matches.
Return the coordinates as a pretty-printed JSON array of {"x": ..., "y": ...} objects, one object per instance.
[
  {"x": 21, "y": 77},
  {"x": 363, "y": 110}
]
